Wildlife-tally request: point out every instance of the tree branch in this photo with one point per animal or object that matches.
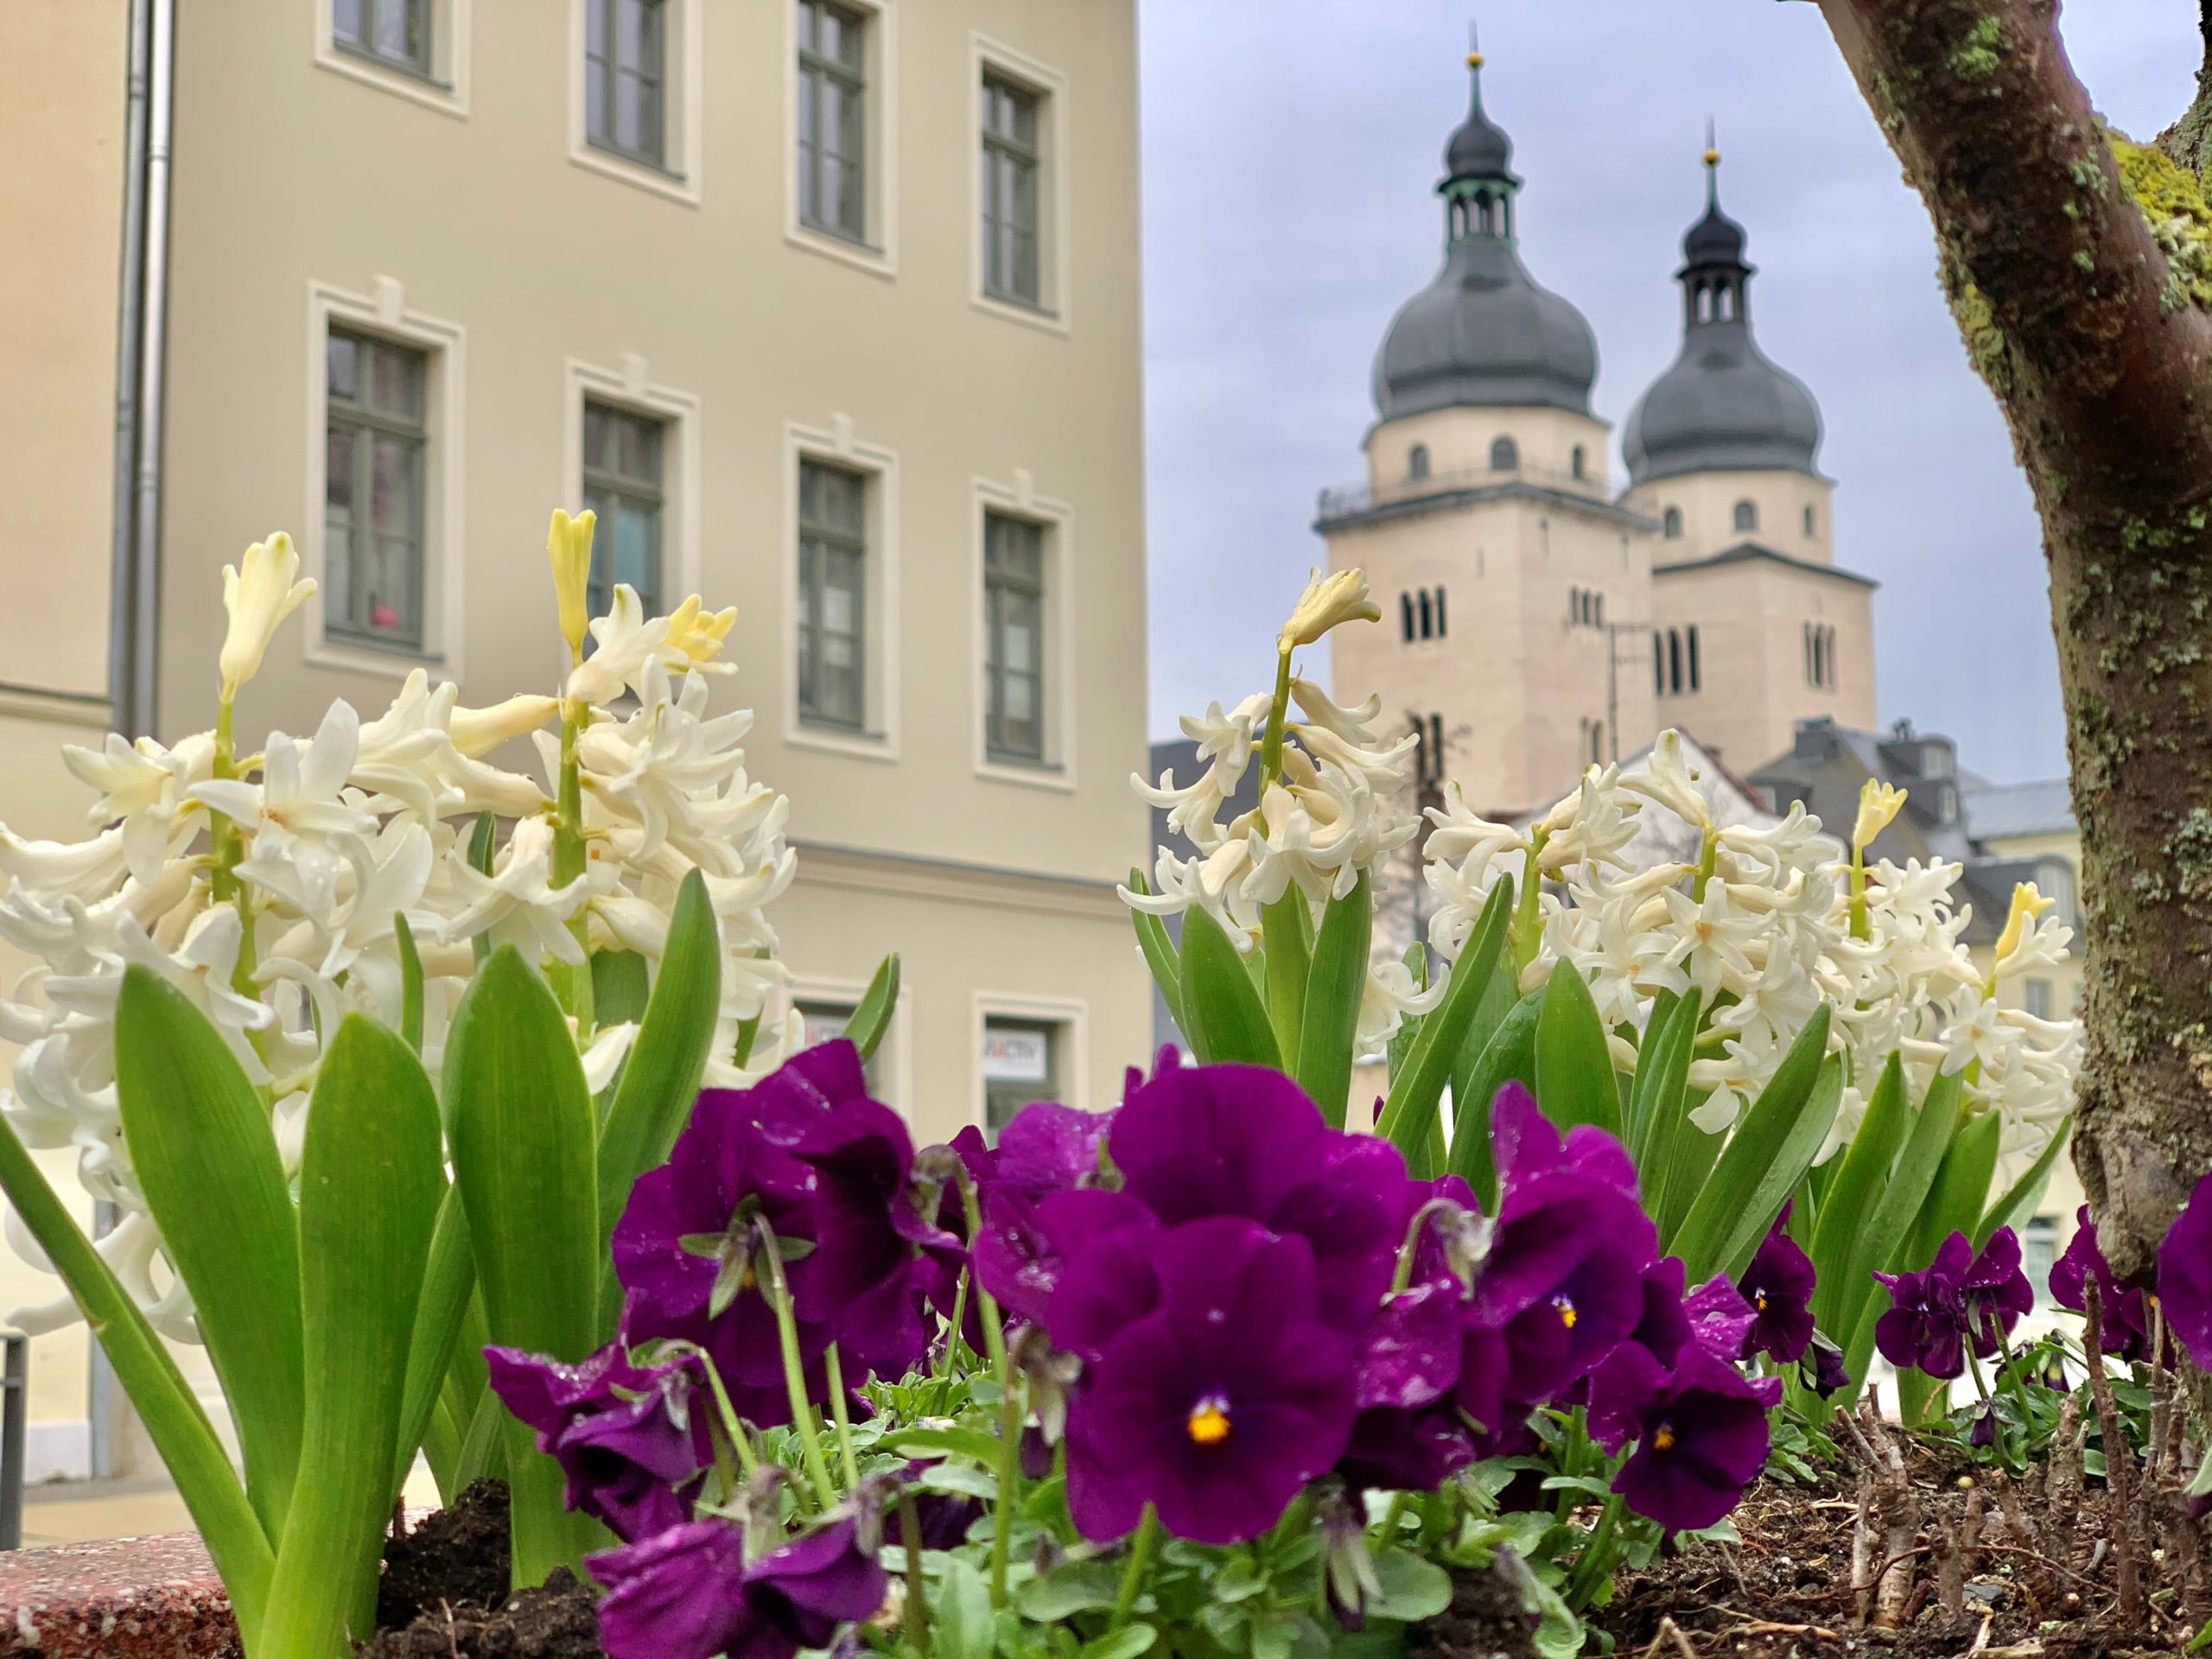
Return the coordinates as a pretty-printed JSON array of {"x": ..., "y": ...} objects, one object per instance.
[{"x": 1998, "y": 135}]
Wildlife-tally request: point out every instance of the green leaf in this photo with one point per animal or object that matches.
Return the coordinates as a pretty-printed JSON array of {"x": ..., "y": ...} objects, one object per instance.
[
  {"x": 1125, "y": 1643},
  {"x": 1658, "y": 1099},
  {"x": 207, "y": 1160},
  {"x": 960, "y": 1614},
  {"x": 1074, "y": 1587},
  {"x": 524, "y": 1139},
  {"x": 410, "y": 981},
  {"x": 1963, "y": 1179},
  {"x": 1888, "y": 1225},
  {"x": 1510, "y": 1056},
  {"x": 1158, "y": 951},
  {"x": 1575, "y": 1081},
  {"x": 1288, "y": 928},
  {"x": 370, "y": 1181},
  {"x": 1413, "y": 1589},
  {"x": 1841, "y": 1250},
  {"x": 482, "y": 838},
  {"x": 871, "y": 1015},
  {"x": 1689, "y": 1166},
  {"x": 2017, "y": 1207},
  {"x": 1223, "y": 1015},
  {"x": 661, "y": 1077},
  {"x": 1404, "y": 1120},
  {"x": 620, "y": 983},
  {"x": 957, "y": 1441},
  {"x": 165, "y": 1404},
  {"x": 1334, "y": 984},
  {"x": 448, "y": 1279},
  {"x": 1766, "y": 1156}
]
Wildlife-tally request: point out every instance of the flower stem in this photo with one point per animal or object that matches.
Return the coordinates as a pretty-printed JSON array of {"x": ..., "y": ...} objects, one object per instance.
[
  {"x": 986, "y": 1304},
  {"x": 1526, "y": 930},
  {"x": 910, "y": 1542},
  {"x": 1011, "y": 1413},
  {"x": 1595, "y": 1564},
  {"x": 952, "y": 1339},
  {"x": 1861, "y": 927},
  {"x": 569, "y": 861},
  {"x": 1278, "y": 713},
  {"x": 770, "y": 1273},
  {"x": 1389, "y": 1534},
  {"x": 1132, "y": 1571},
  {"x": 1708, "y": 854},
  {"x": 841, "y": 1413}
]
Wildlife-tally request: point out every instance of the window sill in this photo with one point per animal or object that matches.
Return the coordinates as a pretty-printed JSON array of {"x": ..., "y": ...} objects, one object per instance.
[
  {"x": 661, "y": 180},
  {"x": 1029, "y": 774},
  {"x": 401, "y": 80},
  {"x": 833, "y": 244},
  {"x": 1028, "y": 313},
  {"x": 354, "y": 656},
  {"x": 852, "y": 742}
]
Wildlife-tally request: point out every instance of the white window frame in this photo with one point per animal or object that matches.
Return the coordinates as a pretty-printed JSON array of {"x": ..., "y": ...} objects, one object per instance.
[
  {"x": 1020, "y": 501},
  {"x": 879, "y": 254},
  {"x": 446, "y": 88},
  {"x": 896, "y": 1047},
  {"x": 836, "y": 446},
  {"x": 1054, "y": 312},
  {"x": 678, "y": 177},
  {"x": 630, "y": 388},
  {"x": 384, "y": 313},
  {"x": 1071, "y": 1014}
]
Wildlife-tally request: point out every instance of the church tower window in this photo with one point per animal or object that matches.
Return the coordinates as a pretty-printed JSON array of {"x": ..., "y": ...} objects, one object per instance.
[
  {"x": 1658, "y": 664},
  {"x": 1574, "y": 463},
  {"x": 1417, "y": 462},
  {"x": 1505, "y": 455},
  {"x": 1673, "y": 660},
  {"x": 1690, "y": 634},
  {"x": 1406, "y": 615},
  {"x": 1673, "y": 524},
  {"x": 1809, "y": 521},
  {"x": 1747, "y": 515},
  {"x": 1427, "y": 622},
  {"x": 1439, "y": 613}
]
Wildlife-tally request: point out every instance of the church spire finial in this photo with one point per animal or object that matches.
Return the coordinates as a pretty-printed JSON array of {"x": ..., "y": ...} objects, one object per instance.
[
  {"x": 1712, "y": 159},
  {"x": 1475, "y": 55}
]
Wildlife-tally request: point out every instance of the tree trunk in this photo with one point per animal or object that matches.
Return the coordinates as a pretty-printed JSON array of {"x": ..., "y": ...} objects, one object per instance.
[{"x": 2098, "y": 348}]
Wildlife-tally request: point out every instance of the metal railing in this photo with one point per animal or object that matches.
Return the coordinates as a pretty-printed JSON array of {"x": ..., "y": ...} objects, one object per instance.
[{"x": 1351, "y": 499}]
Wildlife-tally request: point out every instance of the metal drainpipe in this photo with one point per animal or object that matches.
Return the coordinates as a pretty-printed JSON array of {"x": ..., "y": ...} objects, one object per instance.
[{"x": 134, "y": 613}]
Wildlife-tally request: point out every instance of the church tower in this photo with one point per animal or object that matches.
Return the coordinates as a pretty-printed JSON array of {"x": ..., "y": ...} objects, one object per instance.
[
  {"x": 1754, "y": 626},
  {"x": 1510, "y": 582}
]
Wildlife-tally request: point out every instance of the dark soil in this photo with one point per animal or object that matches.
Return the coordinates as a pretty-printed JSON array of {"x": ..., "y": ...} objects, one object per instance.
[
  {"x": 444, "y": 1593},
  {"x": 1485, "y": 1621},
  {"x": 1785, "y": 1592}
]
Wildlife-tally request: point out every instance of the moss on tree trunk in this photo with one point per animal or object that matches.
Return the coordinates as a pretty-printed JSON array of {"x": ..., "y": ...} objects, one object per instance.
[{"x": 2079, "y": 278}]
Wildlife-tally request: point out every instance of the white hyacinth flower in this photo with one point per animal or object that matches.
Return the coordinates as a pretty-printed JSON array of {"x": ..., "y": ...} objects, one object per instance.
[{"x": 258, "y": 591}]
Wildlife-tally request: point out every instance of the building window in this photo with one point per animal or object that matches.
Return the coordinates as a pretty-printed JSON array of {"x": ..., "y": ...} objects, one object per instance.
[
  {"x": 1690, "y": 637},
  {"x": 1574, "y": 462},
  {"x": 1658, "y": 665},
  {"x": 825, "y": 1021},
  {"x": 1674, "y": 661},
  {"x": 2039, "y": 1254},
  {"x": 832, "y": 119},
  {"x": 1747, "y": 515},
  {"x": 1505, "y": 455},
  {"x": 1820, "y": 656},
  {"x": 1439, "y": 613},
  {"x": 2055, "y": 881},
  {"x": 832, "y": 596},
  {"x": 626, "y": 78},
  {"x": 1406, "y": 615},
  {"x": 1021, "y": 1064},
  {"x": 373, "y": 489},
  {"x": 1427, "y": 616},
  {"x": 2036, "y": 998},
  {"x": 1013, "y": 639},
  {"x": 622, "y": 485},
  {"x": 1417, "y": 462},
  {"x": 1673, "y": 523},
  {"x": 1010, "y": 163},
  {"x": 393, "y": 32},
  {"x": 1809, "y": 521}
]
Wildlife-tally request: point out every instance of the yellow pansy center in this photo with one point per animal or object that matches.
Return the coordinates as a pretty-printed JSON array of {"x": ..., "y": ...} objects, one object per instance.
[
  {"x": 1759, "y": 1301},
  {"x": 1565, "y": 1304},
  {"x": 1663, "y": 1438},
  {"x": 1208, "y": 1423}
]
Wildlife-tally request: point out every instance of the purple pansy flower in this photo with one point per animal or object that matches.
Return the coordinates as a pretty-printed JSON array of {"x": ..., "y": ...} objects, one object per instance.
[
  {"x": 1821, "y": 1368},
  {"x": 688, "y": 1592},
  {"x": 1925, "y": 1328},
  {"x": 1700, "y": 1434},
  {"x": 2185, "y": 1274},
  {"x": 1407, "y": 1436},
  {"x": 1778, "y": 1284},
  {"x": 1563, "y": 1281},
  {"x": 631, "y": 1439},
  {"x": 2126, "y": 1332},
  {"x": 1996, "y": 1292},
  {"x": 1713, "y": 1318},
  {"x": 1218, "y": 1405}
]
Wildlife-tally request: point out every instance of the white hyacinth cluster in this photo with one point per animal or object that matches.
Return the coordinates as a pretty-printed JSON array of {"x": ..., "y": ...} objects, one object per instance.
[
  {"x": 269, "y": 885},
  {"x": 1766, "y": 923},
  {"x": 1332, "y": 805}
]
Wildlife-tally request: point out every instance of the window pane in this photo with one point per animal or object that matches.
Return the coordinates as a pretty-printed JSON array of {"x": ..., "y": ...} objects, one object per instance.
[
  {"x": 337, "y": 471},
  {"x": 340, "y": 360},
  {"x": 392, "y": 486},
  {"x": 345, "y": 20},
  {"x": 596, "y": 112},
  {"x": 649, "y": 119},
  {"x": 636, "y": 557},
  {"x": 629, "y": 34},
  {"x": 596, "y": 27},
  {"x": 628, "y": 120},
  {"x": 392, "y": 28},
  {"x": 396, "y": 381},
  {"x": 598, "y": 446}
]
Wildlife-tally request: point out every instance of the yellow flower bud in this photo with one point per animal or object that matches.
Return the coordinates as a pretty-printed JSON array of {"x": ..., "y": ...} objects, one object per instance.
[
  {"x": 477, "y": 732},
  {"x": 568, "y": 549},
  {"x": 1878, "y": 806},
  {"x": 259, "y": 592},
  {"x": 2027, "y": 900},
  {"x": 698, "y": 633},
  {"x": 1340, "y": 596}
]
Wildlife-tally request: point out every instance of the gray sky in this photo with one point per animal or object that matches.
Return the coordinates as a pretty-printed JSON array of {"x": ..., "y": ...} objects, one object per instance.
[{"x": 1290, "y": 150}]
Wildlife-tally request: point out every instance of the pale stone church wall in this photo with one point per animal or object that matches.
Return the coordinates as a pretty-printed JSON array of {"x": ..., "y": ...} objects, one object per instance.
[
  {"x": 1707, "y": 502},
  {"x": 1569, "y": 709},
  {"x": 1459, "y": 442}
]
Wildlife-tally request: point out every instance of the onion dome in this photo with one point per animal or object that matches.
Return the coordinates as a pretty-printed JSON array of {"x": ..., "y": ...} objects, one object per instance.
[
  {"x": 1721, "y": 406},
  {"x": 1485, "y": 334}
]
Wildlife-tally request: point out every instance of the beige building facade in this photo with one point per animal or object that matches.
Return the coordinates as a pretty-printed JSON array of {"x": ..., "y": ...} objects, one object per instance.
[
  {"x": 1550, "y": 615},
  {"x": 829, "y": 308}
]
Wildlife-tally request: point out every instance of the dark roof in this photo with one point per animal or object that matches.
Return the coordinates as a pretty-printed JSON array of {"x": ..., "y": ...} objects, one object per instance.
[
  {"x": 1343, "y": 516},
  {"x": 1743, "y": 550},
  {"x": 1478, "y": 148},
  {"x": 1721, "y": 406},
  {"x": 1997, "y": 810}
]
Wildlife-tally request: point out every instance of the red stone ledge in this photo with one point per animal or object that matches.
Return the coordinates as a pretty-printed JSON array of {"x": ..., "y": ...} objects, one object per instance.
[{"x": 154, "y": 1598}]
